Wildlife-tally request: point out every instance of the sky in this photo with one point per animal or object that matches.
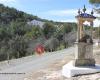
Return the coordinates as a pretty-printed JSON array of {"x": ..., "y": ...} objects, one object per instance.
[{"x": 56, "y": 10}]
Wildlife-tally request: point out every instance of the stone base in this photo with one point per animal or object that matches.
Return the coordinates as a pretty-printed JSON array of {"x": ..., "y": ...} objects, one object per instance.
[
  {"x": 69, "y": 70},
  {"x": 84, "y": 62}
]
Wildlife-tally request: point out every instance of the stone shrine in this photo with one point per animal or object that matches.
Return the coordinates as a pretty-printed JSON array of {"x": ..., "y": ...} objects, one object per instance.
[
  {"x": 84, "y": 62},
  {"x": 84, "y": 44}
]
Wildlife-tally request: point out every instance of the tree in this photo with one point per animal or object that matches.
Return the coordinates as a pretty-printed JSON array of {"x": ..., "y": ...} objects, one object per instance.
[
  {"x": 19, "y": 28},
  {"x": 13, "y": 40},
  {"x": 51, "y": 44},
  {"x": 34, "y": 32},
  {"x": 96, "y": 3},
  {"x": 67, "y": 28},
  {"x": 20, "y": 45},
  {"x": 48, "y": 29}
]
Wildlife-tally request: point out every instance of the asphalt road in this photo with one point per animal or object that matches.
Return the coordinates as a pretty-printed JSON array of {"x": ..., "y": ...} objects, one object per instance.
[{"x": 20, "y": 71}]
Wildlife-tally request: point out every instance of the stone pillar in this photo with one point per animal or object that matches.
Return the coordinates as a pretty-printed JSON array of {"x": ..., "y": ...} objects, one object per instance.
[
  {"x": 78, "y": 32},
  {"x": 91, "y": 24}
]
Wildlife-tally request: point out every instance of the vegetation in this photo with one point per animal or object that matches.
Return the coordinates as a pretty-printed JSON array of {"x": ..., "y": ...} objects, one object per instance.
[
  {"x": 48, "y": 29},
  {"x": 18, "y": 39},
  {"x": 8, "y": 15},
  {"x": 96, "y": 3}
]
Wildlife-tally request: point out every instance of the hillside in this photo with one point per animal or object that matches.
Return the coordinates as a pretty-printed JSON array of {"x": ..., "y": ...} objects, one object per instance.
[
  {"x": 8, "y": 14},
  {"x": 19, "y": 39}
]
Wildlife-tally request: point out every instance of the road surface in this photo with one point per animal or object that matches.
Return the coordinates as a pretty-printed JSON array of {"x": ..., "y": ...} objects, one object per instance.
[{"x": 20, "y": 71}]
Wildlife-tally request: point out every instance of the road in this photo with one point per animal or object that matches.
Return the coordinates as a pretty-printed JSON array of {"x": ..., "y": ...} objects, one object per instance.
[{"x": 19, "y": 71}]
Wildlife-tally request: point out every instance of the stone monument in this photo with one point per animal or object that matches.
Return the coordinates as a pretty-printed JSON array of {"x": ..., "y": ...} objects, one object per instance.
[
  {"x": 84, "y": 44},
  {"x": 84, "y": 62}
]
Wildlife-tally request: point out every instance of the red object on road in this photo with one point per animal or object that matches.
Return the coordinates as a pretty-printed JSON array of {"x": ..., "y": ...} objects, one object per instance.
[{"x": 39, "y": 49}]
